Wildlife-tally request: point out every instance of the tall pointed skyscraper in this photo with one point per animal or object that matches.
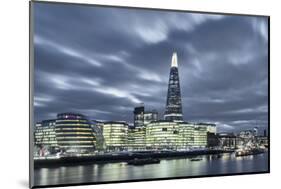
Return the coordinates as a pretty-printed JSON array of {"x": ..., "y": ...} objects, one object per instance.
[{"x": 173, "y": 110}]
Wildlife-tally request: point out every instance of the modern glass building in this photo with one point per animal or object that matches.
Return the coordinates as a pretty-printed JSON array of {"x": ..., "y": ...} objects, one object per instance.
[
  {"x": 175, "y": 135},
  {"x": 137, "y": 133},
  {"x": 173, "y": 110},
  {"x": 115, "y": 135},
  {"x": 150, "y": 116},
  {"x": 74, "y": 133},
  {"x": 199, "y": 136},
  {"x": 186, "y": 137},
  {"x": 228, "y": 140},
  {"x": 142, "y": 117},
  {"x": 162, "y": 135},
  {"x": 45, "y": 136},
  {"x": 211, "y": 128},
  {"x": 139, "y": 116},
  {"x": 136, "y": 138},
  {"x": 97, "y": 131}
]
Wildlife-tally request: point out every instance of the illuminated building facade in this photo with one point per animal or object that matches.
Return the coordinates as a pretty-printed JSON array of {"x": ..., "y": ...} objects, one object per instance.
[
  {"x": 139, "y": 116},
  {"x": 228, "y": 140},
  {"x": 150, "y": 116},
  {"x": 199, "y": 136},
  {"x": 74, "y": 133},
  {"x": 45, "y": 134},
  {"x": 142, "y": 117},
  {"x": 137, "y": 133},
  {"x": 115, "y": 135},
  {"x": 186, "y": 137},
  {"x": 162, "y": 135},
  {"x": 175, "y": 135},
  {"x": 136, "y": 138},
  {"x": 173, "y": 110},
  {"x": 97, "y": 131},
  {"x": 211, "y": 128}
]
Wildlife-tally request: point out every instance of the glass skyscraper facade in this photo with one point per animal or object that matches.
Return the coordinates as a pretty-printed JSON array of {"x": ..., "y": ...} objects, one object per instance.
[{"x": 173, "y": 110}]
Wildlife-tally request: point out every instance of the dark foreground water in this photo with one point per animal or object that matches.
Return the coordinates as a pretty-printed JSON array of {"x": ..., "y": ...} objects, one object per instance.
[{"x": 209, "y": 165}]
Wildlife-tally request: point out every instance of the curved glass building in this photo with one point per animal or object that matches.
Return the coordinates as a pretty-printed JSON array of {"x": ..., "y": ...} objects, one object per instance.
[
  {"x": 74, "y": 133},
  {"x": 162, "y": 135},
  {"x": 115, "y": 135}
]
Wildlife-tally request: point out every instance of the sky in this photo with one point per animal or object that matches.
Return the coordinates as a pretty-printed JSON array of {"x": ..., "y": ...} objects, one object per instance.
[{"x": 104, "y": 61}]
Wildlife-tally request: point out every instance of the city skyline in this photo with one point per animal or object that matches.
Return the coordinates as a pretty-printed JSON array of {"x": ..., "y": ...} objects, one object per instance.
[{"x": 222, "y": 64}]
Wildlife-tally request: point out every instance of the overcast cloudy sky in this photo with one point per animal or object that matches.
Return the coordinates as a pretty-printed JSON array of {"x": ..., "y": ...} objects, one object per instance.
[{"x": 102, "y": 62}]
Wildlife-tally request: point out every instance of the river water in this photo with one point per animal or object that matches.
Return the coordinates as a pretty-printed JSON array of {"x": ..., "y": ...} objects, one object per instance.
[{"x": 209, "y": 165}]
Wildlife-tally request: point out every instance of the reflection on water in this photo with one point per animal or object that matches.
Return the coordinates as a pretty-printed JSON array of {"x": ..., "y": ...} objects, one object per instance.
[{"x": 209, "y": 165}]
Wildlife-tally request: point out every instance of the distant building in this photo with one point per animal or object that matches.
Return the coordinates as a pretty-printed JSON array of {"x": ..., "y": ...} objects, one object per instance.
[
  {"x": 136, "y": 138},
  {"x": 175, "y": 135},
  {"x": 97, "y": 131},
  {"x": 173, "y": 110},
  {"x": 162, "y": 135},
  {"x": 186, "y": 135},
  {"x": 139, "y": 116},
  {"x": 137, "y": 133},
  {"x": 262, "y": 141},
  {"x": 264, "y": 133},
  {"x": 45, "y": 135},
  {"x": 142, "y": 117},
  {"x": 256, "y": 131},
  {"x": 213, "y": 140},
  {"x": 211, "y": 128},
  {"x": 74, "y": 133},
  {"x": 115, "y": 135},
  {"x": 247, "y": 134},
  {"x": 150, "y": 116},
  {"x": 228, "y": 140},
  {"x": 200, "y": 136}
]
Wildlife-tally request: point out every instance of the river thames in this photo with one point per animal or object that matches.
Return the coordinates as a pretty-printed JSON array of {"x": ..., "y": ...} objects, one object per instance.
[{"x": 209, "y": 165}]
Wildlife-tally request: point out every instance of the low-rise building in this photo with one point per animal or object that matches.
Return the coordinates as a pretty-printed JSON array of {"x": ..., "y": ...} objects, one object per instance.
[
  {"x": 162, "y": 135},
  {"x": 175, "y": 135},
  {"x": 45, "y": 134},
  {"x": 115, "y": 135},
  {"x": 74, "y": 133}
]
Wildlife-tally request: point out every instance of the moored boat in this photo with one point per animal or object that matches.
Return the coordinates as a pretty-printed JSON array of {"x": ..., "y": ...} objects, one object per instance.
[
  {"x": 143, "y": 161},
  {"x": 196, "y": 159},
  {"x": 244, "y": 152}
]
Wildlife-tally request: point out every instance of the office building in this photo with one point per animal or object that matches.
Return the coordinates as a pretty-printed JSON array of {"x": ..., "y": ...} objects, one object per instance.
[
  {"x": 115, "y": 135},
  {"x": 45, "y": 137},
  {"x": 136, "y": 138},
  {"x": 142, "y": 117},
  {"x": 173, "y": 110},
  {"x": 228, "y": 140},
  {"x": 162, "y": 135},
  {"x": 186, "y": 137},
  {"x": 139, "y": 116},
  {"x": 74, "y": 133},
  {"x": 137, "y": 132},
  {"x": 199, "y": 136}
]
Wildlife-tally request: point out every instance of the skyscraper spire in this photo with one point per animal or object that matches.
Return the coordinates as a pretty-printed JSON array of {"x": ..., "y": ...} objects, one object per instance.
[
  {"x": 174, "y": 60},
  {"x": 173, "y": 110}
]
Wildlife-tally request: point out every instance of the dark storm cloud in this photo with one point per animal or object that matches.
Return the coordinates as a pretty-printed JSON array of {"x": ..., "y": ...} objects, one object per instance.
[{"x": 104, "y": 61}]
